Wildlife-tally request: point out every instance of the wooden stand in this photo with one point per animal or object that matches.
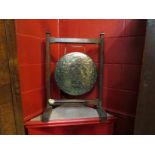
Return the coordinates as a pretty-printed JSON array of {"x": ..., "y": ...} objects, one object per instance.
[{"x": 98, "y": 102}]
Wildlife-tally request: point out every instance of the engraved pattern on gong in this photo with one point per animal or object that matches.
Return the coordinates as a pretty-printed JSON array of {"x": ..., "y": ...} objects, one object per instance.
[{"x": 75, "y": 73}]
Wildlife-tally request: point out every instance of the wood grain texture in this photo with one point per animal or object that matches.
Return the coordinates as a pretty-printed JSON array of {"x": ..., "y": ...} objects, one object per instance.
[
  {"x": 145, "y": 116},
  {"x": 10, "y": 101}
]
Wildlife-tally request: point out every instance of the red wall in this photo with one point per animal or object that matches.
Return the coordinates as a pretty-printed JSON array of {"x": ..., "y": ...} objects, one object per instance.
[
  {"x": 31, "y": 53},
  {"x": 124, "y": 40}
]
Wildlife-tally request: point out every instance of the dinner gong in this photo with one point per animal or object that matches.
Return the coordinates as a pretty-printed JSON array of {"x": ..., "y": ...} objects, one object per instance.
[{"x": 75, "y": 73}]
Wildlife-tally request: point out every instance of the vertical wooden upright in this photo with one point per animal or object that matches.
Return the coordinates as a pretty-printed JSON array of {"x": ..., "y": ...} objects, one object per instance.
[
  {"x": 145, "y": 116},
  {"x": 11, "y": 120},
  {"x": 102, "y": 114},
  {"x": 48, "y": 110}
]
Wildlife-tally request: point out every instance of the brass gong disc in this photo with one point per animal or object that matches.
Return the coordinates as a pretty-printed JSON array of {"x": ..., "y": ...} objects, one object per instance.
[{"x": 75, "y": 73}]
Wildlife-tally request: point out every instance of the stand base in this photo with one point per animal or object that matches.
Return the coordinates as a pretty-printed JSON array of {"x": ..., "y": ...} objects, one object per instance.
[{"x": 73, "y": 111}]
